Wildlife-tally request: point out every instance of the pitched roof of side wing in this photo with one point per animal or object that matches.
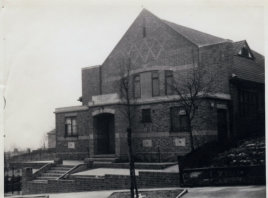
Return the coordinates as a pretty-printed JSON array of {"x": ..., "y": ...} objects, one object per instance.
[{"x": 246, "y": 68}]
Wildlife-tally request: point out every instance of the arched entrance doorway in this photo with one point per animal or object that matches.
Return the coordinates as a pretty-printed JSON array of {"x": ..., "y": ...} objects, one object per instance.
[{"x": 104, "y": 133}]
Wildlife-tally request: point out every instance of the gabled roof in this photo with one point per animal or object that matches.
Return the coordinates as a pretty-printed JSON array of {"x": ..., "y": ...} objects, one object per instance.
[
  {"x": 245, "y": 68},
  {"x": 240, "y": 46},
  {"x": 258, "y": 58},
  {"x": 196, "y": 37},
  {"x": 193, "y": 36}
]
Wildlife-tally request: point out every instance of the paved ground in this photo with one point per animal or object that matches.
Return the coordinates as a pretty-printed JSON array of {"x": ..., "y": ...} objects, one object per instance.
[
  {"x": 44, "y": 161},
  {"x": 93, "y": 194},
  {"x": 64, "y": 162},
  {"x": 105, "y": 171},
  {"x": 227, "y": 192},
  {"x": 121, "y": 171},
  {"x": 205, "y": 192}
]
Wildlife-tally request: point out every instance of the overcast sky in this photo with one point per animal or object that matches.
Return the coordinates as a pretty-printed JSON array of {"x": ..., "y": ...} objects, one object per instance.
[{"x": 45, "y": 43}]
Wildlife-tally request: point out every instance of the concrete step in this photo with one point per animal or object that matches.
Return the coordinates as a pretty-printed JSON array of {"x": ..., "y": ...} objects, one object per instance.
[
  {"x": 40, "y": 181},
  {"x": 61, "y": 168},
  {"x": 56, "y": 171},
  {"x": 52, "y": 174},
  {"x": 103, "y": 162},
  {"x": 65, "y": 166},
  {"x": 104, "y": 156},
  {"x": 106, "y": 159},
  {"x": 47, "y": 178}
]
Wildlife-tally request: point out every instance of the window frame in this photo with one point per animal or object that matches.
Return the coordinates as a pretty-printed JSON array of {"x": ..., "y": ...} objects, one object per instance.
[
  {"x": 246, "y": 53},
  {"x": 168, "y": 74},
  {"x": 248, "y": 103},
  {"x": 158, "y": 84},
  {"x": 146, "y": 118},
  {"x": 179, "y": 118},
  {"x": 72, "y": 133},
  {"x": 136, "y": 82}
]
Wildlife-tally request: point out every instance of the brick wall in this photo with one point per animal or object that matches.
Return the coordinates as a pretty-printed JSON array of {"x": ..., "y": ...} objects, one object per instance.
[
  {"x": 161, "y": 46},
  {"x": 161, "y": 141},
  {"x": 217, "y": 61},
  {"x": 107, "y": 182},
  {"x": 152, "y": 45},
  {"x": 81, "y": 142},
  {"x": 90, "y": 83}
]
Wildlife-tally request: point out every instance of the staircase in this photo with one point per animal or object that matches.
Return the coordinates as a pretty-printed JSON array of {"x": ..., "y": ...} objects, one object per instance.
[
  {"x": 103, "y": 160},
  {"x": 54, "y": 173}
]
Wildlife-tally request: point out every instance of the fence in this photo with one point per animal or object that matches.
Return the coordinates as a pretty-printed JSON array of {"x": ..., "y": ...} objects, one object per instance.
[
  {"x": 216, "y": 176},
  {"x": 12, "y": 183}
]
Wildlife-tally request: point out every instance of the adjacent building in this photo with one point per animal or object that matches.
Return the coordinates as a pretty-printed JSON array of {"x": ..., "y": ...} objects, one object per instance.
[
  {"x": 51, "y": 139},
  {"x": 156, "y": 51}
]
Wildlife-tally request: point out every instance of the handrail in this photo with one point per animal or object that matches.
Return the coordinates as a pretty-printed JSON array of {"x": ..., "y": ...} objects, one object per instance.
[
  {"x": 69, "y": 171},
  {"x": 40, "y": 170}
]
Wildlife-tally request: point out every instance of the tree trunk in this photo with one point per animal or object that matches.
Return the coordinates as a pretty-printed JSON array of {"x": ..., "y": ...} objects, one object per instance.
[
  {"x": 133, "y": 182},
  {"x": 191, "y": 136}
]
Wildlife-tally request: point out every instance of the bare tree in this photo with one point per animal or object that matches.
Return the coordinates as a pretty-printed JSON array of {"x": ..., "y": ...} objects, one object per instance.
[
  {"x": 129, "y": 110},
  {"x": 192, "y": 86},
  {"x": 43, "y": 141}
]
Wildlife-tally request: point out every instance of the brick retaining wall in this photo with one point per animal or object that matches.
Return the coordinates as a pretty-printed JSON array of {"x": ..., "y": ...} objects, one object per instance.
[
  {"x": 107, "y": 182},
  {"x": 220, "y": 176}
]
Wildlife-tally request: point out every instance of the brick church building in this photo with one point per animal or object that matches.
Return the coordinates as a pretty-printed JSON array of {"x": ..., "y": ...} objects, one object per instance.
[{"x": 157, "y": 50}]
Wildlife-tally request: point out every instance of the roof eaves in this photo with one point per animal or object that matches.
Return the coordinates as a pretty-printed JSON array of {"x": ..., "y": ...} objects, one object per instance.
[
  {"x": 91, "y": 67},
  {"x": 205, "y": 45}
]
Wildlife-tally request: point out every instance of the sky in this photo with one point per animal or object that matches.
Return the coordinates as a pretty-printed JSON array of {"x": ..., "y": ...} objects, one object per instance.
[{"x": 44, "y": 45}]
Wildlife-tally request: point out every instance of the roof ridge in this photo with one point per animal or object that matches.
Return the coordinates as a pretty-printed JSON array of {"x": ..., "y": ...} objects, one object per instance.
[{"x": 244, "y": 40}]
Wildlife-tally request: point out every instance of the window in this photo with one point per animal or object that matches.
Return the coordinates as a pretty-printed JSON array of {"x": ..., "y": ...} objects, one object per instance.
[
  {"x": 178, "y": 119},
  {"x": 146, "y": 115},
  {"x": 137, "y": 87},
  {"x": 155, "y": 84},
  {"x": 248, "y": 103},
  {"x": 168, "y": 82},
  {"x": 70, "y": 127},
  {"x": 245, "y": 52}
]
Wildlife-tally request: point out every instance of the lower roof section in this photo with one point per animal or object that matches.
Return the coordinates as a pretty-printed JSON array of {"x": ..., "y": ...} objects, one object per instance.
[
  {"x": 70, "y": 109},
  {"x": 221, "y": 96}
]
